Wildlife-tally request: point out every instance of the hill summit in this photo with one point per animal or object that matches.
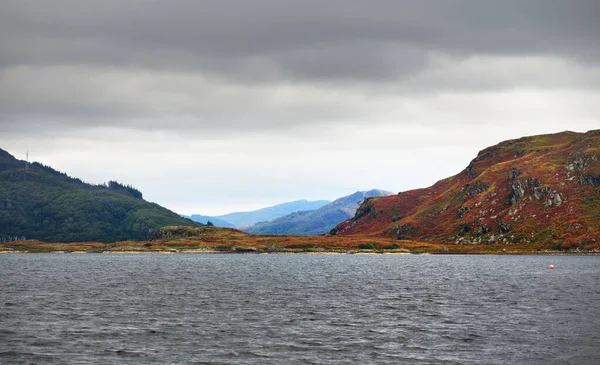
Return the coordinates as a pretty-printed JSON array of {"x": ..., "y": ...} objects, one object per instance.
[{"x": 538, "y": 189}]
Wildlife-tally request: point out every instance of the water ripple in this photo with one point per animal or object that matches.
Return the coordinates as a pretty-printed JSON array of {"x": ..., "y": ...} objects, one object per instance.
[{"x": 298, "y": 309}]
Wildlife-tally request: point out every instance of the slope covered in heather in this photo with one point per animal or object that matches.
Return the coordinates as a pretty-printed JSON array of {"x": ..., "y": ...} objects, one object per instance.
[
  {"x": 538, "y": 189},
  {"x": 314, "y": 222},
  {"x": 38, "y": 202}
]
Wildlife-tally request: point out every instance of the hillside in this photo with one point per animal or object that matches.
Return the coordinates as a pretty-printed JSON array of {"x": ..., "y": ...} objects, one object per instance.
[
  {"x": 322, "y": 220},
  {"x": 244, "y": 219},
  {"x": 42, "y": 203},
  {"x": 539, "y": 189}
]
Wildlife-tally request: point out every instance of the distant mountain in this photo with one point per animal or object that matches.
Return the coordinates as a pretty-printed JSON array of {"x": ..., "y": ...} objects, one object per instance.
[
  {"x": 542, "y": 190},
  {"x": 38, "y": 202},
  {"x": 243, "y": 219},
  {"x": 214, "y": 220},
  {"x": 314, "y": 222}
]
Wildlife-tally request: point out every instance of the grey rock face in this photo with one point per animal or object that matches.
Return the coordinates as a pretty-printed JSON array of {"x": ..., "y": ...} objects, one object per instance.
[{"x": 590, "y": 180}]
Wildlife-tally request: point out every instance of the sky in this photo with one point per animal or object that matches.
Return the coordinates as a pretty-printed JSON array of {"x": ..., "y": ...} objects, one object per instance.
[{"x": 217, "y": 106}]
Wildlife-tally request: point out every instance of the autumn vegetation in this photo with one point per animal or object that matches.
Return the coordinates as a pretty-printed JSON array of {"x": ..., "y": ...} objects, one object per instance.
[
  {"x": 185, "y": 239},
  {"x": 540, "y": 191}
]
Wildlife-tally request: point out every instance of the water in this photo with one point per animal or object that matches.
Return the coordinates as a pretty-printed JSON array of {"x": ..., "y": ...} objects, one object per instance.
[{"x": 298, "y": 309}]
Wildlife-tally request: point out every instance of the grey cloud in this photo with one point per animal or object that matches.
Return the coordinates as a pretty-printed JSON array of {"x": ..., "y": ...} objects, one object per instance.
[
  {"x": 266, "y": 64},
  {"x": 76, "y": 96},
  {"x": 303, "y": 38}
]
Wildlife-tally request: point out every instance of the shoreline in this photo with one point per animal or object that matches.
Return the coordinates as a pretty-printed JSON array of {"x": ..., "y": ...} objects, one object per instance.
[
  {"x": 213, "y": 240},
  {"x": 292, "y": 252}
]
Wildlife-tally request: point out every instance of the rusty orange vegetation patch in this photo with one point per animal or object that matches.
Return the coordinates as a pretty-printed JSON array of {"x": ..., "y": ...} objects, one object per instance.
[
  {"x": 211, "y": 239},
  {"x": 540, "y": 191}
]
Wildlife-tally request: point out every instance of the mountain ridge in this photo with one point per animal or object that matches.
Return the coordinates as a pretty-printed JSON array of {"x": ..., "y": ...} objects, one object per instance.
[
  {"x": 204, "y": 219},
  {"x": 242, "y": 219},
  {"x": 318, "y": 221}
]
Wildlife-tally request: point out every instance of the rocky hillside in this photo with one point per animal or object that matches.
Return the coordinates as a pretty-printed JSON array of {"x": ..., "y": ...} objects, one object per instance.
[
  {"x": 41, "y": 203},
  {"x": 539, "y": 189},
  {"x": 319, "y": 221}
]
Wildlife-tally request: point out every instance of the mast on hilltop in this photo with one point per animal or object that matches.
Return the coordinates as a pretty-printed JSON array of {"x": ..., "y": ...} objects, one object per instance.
[{"x": 27, "y": 161}]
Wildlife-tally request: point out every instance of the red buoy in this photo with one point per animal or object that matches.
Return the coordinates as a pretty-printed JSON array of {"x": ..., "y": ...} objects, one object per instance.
[{"x": 551, "y": 267}]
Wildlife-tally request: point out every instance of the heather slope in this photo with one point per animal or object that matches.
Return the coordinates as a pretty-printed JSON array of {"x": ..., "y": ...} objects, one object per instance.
[
  {"x": 538, "y": 189},
  {"x": 42, "y": 203},
  {"x": 319, "y": 221}
]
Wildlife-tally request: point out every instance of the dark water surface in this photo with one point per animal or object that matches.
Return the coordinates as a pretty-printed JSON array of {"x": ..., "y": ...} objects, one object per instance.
[{"x": 298, "y": 309}]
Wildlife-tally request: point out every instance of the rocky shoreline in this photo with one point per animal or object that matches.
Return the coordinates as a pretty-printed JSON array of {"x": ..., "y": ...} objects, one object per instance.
[
  {"x": 305, "y": 252},
  {"x": 215, "y": 240}
]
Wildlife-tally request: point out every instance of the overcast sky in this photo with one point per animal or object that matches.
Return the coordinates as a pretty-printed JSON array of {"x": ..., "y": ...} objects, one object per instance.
[{"x": 227, "y": 105}]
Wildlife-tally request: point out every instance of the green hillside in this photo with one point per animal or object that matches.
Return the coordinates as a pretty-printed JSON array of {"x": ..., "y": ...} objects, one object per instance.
[{"x": 42, "y": 203}]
